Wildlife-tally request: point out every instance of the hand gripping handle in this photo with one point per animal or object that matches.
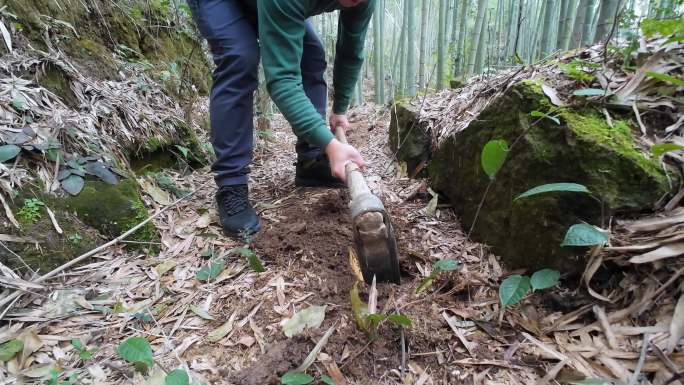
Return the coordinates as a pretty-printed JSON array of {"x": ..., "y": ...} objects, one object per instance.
[{"x": 355, "y": 180}]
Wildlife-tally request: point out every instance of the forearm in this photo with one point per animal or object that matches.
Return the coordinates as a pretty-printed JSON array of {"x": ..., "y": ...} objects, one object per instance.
[
  {"x": 292, "y": 102},
  {"x": 281, "y": 32}
]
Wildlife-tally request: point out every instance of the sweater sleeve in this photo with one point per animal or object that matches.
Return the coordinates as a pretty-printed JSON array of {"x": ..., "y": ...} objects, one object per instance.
[
  {"x": 281, "y": 34},
  {"x": 351, "y": 35}
]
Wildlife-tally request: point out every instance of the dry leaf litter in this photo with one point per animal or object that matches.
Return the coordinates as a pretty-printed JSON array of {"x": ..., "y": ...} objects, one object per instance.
[{"x": 229, "y": 330}]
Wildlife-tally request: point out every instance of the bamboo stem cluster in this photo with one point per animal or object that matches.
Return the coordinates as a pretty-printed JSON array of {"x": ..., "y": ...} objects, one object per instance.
[{"x": 456, "y": 39}]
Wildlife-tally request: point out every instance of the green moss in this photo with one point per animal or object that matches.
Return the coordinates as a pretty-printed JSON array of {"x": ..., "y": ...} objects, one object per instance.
[
  {"x": 99, "y": 213},
  {"x": 53, "y": 249},
  {"x": 409, "y": 138},
  {"x": 57, "y": 81},
  {"x": 582, "y": 149},
  {"x": 112, "y": 209},
  {"x": 592, "y": 127},
  {"x": 155, "y": 143}
]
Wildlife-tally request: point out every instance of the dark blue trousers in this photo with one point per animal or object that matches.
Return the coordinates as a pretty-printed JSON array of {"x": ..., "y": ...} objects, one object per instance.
[{"x": 231, "y": 31}]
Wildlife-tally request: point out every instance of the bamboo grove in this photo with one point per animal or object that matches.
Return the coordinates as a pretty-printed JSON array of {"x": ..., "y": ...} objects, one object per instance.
[{"x": 416, "y": 45}]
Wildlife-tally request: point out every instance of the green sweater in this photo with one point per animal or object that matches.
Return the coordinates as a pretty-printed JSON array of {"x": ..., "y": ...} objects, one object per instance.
[{"x": 281, "y": 33}]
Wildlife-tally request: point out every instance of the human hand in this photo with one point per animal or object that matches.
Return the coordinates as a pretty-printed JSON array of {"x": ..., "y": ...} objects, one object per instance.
[
  {"x": 335, "y": 120},
  {"x": 339, "y": 155}
]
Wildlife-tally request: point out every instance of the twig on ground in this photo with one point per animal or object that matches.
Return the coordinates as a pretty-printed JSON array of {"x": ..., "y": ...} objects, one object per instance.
[
  {"x": 605, "y": 325},
  {"x": 642, "y": 359},
  {"x": 96, "y": 250}
]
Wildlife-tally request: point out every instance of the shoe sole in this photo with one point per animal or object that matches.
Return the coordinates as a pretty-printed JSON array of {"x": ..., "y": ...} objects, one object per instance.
[
  {"x": 308, "y": 182},
  {"x": 242, "y": 235}
]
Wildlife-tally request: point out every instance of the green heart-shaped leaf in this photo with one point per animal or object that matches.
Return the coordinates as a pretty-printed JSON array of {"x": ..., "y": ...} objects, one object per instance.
[
  {"x": 513, "y": 289},
  {"x": 544, "y": 279},
  {"x": 493, "y": 156},
  {"x": 296, "y": 378},
  {"x": 584, "y": 235}
]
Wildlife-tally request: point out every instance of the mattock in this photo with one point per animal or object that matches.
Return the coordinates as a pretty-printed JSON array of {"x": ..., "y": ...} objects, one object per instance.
[{"x": 376, "y": 247}]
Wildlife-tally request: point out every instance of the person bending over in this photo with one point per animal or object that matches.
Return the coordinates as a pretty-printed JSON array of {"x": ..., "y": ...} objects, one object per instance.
[{"x": 293, "y": 58}]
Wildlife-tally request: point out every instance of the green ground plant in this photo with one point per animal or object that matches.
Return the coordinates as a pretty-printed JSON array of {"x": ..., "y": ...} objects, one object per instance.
[
  {"x": 514, "y": 288},
  {"x": 366, "y": 316},
  {"x": 438, "y": 268},
  {"x": 75, "y": 238},
  {"x": 30, "y": 212},
  {"x": 83, "y": 351},
  {"x": 299, "y": 378},
  {"x": 54, "y": 378}
]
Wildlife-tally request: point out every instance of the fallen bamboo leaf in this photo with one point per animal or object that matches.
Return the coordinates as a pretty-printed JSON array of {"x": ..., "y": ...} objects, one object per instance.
[
  {"x": 675, "y": 126},
  {"x": 354, "y": 265},
  {"x": 667, "y": 251},
  {"x": 201, "y": 312},
  {"x": 53, "y": 219},
  {"x": 160, "y": 196},
  {"x": 40, "y": 371},
  {"x": 6, "y": 36},
  {"x": 333, "y": 370},
  {"x": 165, "y": 267},
  {"x": 311, "y": 317},
  {"x": 431, "y": 208},
  {"x": 8, "y": 211},
  {"x": 459, "y": 333},
  {"x": 657, "y": 223},
  {"x": 676, "y": 325},
  {"x": 223, "y": 330},
  {"x": 311, "y": 358},
  {"x": 553, "y": 95},
  {"x": 16, "y": 239},
  {"x": 32, "y": 342}
]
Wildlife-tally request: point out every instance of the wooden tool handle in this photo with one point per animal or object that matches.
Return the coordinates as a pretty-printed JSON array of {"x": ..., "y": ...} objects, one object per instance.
[
  {"x": 341, "y": 135},
  {"x": 355, "y": 180}
]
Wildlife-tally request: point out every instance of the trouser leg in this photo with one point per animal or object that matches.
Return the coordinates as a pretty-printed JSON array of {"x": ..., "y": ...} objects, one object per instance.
[
  {"x": 232, "y": 38},
  {"x": 313, "y": 67}
]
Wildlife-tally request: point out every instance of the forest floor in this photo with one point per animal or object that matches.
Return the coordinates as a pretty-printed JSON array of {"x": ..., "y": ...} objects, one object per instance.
[
  {"x": 229, "y": 329},
  {"x": 304, "y": 245}
]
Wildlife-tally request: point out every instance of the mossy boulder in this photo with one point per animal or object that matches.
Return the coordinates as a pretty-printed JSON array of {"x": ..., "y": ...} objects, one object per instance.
[
  {"x": 57, "y": 81},
  {"x": 100, "y": 212},
  {"x": 112, "y": 209},
  {"x": 583, "y": 149},
  {"x": 409, "y": 138},
  {"x": 178, "y": 151},
  {"x": 93, "y": 34}
]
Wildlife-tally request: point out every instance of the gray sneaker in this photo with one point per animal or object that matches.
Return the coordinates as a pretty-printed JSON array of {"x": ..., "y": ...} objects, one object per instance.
[{"x": 236, "y": 213}]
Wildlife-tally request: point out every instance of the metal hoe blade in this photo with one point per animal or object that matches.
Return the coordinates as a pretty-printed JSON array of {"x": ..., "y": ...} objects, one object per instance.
[{"x": 376, "y": 246}]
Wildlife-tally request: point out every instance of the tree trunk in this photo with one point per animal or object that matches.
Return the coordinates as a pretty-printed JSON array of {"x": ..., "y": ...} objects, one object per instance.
[
  {"x": 379, "y": 52},
  {"x": 569, "y": 26},
  {"x": 441, "y": 43},
  {"x": 453, "y": 41},
  {"x": 539, "y": 24},
  {"x": 497, "y": 33},
  {"x": 423, "y": 43},
  {"x": 511, "y": 30},
  {"x": 514, "y": 51},
  {"x": 481, "y": 47},
  {"x": 666, "y": 9},
  {"x": 475, "y": 42},
  {"x": 460, "y": 50},
  {"x": 578, "y": 26},
  {"x": 411, "y": 47},
  {"x": 403, "y": 51},
  {"x": 606, "y": 19},
  {"x": 563, "y": 23},
  {"x": 547, "y": 40},
  {"x": 587, "y": 32}
]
